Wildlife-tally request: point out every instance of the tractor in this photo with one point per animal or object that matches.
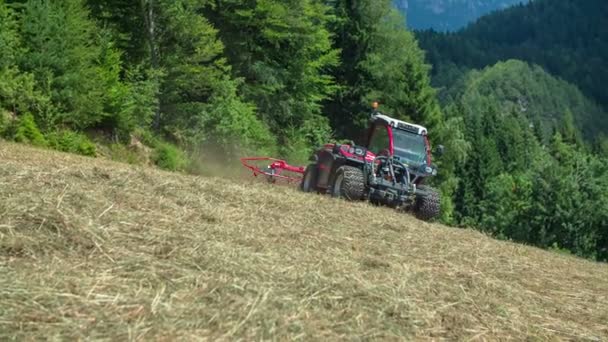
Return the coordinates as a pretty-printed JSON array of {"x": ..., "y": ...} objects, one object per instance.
[{"x": 390, "y": 169}]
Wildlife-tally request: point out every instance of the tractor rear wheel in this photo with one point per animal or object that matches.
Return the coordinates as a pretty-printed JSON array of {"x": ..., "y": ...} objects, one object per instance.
[
  {"x": 348, "y": 183},
  {"x": 428, "y": 203},
  {"x": 309, "y": 180}
]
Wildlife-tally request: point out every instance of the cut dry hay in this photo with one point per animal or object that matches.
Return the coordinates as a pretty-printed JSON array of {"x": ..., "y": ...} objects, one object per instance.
[{"x": 100, "y": 250}]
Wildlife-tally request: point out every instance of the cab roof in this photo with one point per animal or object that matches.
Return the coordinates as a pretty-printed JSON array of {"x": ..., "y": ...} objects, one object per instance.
[{"x": 399, "y": 124}]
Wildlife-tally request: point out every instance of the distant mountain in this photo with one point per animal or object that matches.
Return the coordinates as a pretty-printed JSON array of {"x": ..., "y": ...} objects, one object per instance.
[
  {"x": 448, "y": 15},
  {"x": 567, "y": 38},
  {"x": 517, "y": 86}
]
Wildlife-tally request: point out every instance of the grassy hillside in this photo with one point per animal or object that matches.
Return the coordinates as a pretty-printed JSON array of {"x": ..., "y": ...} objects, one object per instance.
[{"x": 105, "y": 250}]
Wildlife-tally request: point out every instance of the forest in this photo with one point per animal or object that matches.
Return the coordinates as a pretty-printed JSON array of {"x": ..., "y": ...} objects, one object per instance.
[{"x": 527, "y": 157}]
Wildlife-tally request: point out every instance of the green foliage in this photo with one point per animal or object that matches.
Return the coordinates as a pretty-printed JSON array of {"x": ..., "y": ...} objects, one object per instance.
[
  {"x": 179, "y": 81},
  {"x": 529, "y": 175},
  {"x": 382, "y": 61},
  {"x": 557, "y": 249},
  {"x": 169, "y": 157},
  {"x": 194, "y": 72},
  {"x": 514, "y": 86},
  {"x": 17, "y": 93},
  {"x": 26, "y": 131},
  {"x": 3, "y": 122},
  {"x": 362, "y": 71},
  {"x": 60, "y": 54},
  {"x": 130, "y": 103},
  {"x": 301, "y": 142},
  {"x": 230, "y": 126},
  {"x": 506, "y": 200},
  {"x": 146, "y": 137},
  {"x": 396, "y": 74},
  {"x": 10, "y": 43},
  {"x": 72, "y": 142},
  {"x": 121, "y": 153},
  {"x": 601, "y": 146},
  {"x": 282, "y": 49},
  {"x": 451, "y": 134},
  {"x": 143, "y": 88},
  {"x": 513, "y": 187}
]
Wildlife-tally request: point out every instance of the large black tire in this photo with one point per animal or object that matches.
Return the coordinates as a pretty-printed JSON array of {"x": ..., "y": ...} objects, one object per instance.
[
  {"x": 428, "y": 205},
  {"x": 348, "y": 183},
  {"x": 309, "y": 180}
]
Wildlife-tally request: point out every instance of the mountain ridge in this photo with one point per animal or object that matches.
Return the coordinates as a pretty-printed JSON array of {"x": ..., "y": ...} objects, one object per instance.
[
  {"x": 566, "y": 38},
  {"x": 447, "y": 15}
]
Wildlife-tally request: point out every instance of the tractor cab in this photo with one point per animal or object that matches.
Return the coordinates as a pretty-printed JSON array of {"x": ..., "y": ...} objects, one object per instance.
[{"x": 406, "y": 142}]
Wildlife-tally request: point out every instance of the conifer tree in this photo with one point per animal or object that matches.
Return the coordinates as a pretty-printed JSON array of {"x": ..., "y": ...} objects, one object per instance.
[
  {"x": 16, "y": 87},
  {"x": 62, "y": 54},
  {"x": 176, "y": 50},
  {"x": 381, "y": 61},
  {"x": 282, "y": 50}
]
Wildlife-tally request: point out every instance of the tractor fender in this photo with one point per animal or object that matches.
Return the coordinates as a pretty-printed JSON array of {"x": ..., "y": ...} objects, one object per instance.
[{"x": 332, "y": 156}]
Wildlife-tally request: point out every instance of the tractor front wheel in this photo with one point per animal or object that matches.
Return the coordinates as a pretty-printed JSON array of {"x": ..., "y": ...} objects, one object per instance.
[
  {"x": 428, "y": 203},
  {"x": 348, "y": 183}
]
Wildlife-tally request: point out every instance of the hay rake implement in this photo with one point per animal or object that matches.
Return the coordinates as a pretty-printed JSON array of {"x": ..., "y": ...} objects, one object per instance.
[{"x": 274, "y": 169}]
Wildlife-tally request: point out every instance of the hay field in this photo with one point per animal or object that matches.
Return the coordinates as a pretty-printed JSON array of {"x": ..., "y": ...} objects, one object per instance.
[{"x": 91, "y": 249}]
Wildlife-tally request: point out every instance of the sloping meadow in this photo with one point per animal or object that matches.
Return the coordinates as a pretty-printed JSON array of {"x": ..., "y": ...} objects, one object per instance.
[{"x": 95, "y": 249}]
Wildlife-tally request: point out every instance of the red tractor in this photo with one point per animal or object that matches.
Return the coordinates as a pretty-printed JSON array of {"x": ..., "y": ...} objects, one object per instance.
[{"x": 389, "y": 170}]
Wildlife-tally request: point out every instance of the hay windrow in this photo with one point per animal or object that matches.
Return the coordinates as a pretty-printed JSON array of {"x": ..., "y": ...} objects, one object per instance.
[{"x": 95, "y": 249}]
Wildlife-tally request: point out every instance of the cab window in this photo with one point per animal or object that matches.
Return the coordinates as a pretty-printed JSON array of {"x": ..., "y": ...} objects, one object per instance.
[{"x": 379, "y": 140}]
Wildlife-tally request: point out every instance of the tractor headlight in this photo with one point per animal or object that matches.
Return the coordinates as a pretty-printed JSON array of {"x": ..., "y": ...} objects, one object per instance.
[
  {"x": 359, "y": 152},
  {"x": 430, "y": 170}
]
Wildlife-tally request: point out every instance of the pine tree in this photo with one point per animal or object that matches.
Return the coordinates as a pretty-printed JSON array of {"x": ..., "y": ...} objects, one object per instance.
[
  {"x": 380, "y": 61},
  {"x": 396, "y": 74},
  {"x": 17, "y": 93},
  {"x": 62, "y": 54},
  {"x": 452, "y": 134},
  {"x": 176, "y": 54},
  {"x": 569, "y": 132},
  {"x": 10, "y": 45},
  {"x": 358, "y": 21},
  {"x": 282, "y": 50}
]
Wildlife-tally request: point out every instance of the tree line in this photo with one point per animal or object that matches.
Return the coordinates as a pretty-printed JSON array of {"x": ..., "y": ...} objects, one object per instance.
[
  {"x": 526, "y": 180},
  {"x": 528, "y": 83},
  {"x": 255, "y": 75}
]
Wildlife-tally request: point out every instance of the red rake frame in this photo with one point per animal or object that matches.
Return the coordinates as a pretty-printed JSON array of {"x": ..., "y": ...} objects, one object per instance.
[{"x": 275, "y": 170}]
